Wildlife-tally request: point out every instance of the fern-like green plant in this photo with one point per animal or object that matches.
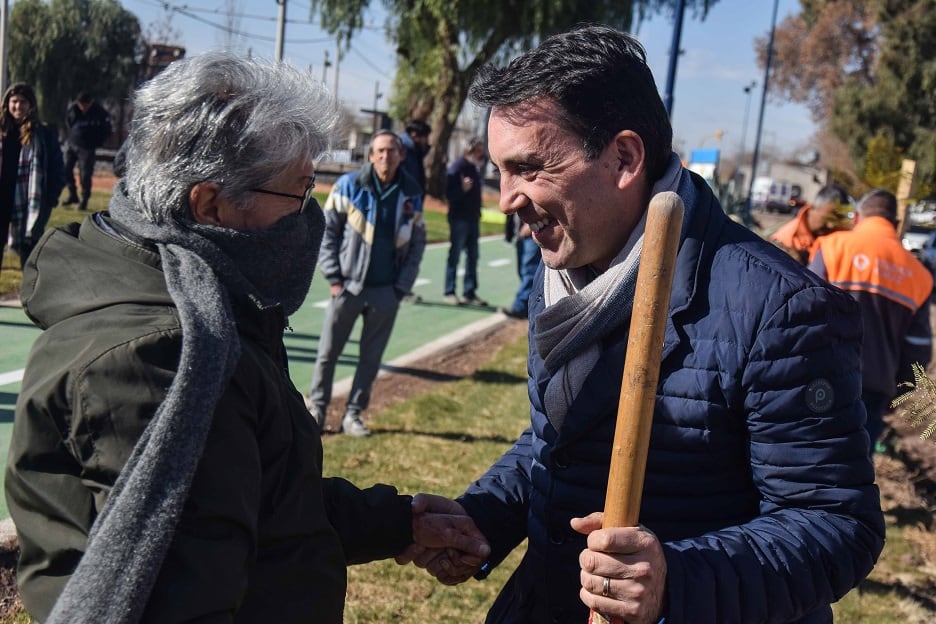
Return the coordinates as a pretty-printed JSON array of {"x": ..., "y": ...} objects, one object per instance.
[{"x": 919, "y": 401}]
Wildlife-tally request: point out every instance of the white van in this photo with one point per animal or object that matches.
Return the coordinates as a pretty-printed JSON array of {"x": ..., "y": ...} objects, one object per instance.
[{"x": 772, "y": 194}]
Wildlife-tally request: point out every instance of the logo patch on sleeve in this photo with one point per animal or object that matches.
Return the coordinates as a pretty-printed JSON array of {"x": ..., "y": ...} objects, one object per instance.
[{"x": 819, "y": 396}]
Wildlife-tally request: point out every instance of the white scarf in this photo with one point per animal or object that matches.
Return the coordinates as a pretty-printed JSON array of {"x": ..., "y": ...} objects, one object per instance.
[{"x": 581, "y": 309}]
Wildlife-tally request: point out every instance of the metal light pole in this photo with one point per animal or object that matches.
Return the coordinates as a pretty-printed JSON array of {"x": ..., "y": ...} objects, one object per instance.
[
  {"x": 760, "y": 120},
  {"x": 673, "y": 58},
  {"x": 280, "y": 29},
  {"x": 747, "y": 110}
]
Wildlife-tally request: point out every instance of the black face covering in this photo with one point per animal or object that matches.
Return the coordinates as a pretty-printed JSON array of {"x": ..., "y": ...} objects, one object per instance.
[{"x": 279, "y": 262}]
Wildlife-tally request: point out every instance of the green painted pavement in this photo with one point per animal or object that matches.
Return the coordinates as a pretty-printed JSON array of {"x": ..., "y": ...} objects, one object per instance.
[{"x": 417, "y": 325}]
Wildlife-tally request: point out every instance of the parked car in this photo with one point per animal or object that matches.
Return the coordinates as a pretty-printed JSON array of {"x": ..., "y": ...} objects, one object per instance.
[
  {"x": 772, "y": 194},
  {"x": 916, "y": 237},
  {"x": 927, "y": 252}
]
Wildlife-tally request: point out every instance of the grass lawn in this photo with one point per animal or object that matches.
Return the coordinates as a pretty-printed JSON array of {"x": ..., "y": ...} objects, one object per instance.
[{"x": 437, "y": 442}]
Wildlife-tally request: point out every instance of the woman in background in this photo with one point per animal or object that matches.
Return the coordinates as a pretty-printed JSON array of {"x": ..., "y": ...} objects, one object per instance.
[{"x": 32, "y": 172}]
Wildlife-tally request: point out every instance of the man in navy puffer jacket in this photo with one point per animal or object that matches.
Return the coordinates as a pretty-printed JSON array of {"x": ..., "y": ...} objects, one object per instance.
[{"x": 759, "y": 503}]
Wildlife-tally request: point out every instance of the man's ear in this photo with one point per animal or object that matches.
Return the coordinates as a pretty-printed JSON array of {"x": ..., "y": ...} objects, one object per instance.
[
  {"x": 629, "y": 157},
  {"x": 203, "y": 202}
]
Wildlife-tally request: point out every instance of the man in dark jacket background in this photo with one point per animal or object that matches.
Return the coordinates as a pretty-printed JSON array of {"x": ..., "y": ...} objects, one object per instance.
[
  {"x": 759, "y": 503},
  {"x": 463, "y": 187},
  {"x": 415, "y": 139},
  {"x": 88, "y": 125}
]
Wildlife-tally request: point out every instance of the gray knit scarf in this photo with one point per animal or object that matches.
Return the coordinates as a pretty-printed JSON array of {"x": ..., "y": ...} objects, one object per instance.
[
  {"x": 129, "y": 539},
  {"x": 582, "y": 308}
]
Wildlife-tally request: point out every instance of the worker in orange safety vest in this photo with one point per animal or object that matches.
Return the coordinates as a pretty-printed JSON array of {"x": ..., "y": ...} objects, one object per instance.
[
  {"x": 893, "y": 289},
  {"x": 828, "y": 213}
]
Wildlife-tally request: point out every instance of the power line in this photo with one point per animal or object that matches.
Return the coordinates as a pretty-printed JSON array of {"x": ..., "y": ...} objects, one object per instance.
[
  {"x": 369, "y": 62},
  {"x": 241, "y": 33},
  {"x": 265, "y": 18}
]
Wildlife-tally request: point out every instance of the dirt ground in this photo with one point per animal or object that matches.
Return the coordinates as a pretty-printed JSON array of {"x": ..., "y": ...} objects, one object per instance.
[{"x": 906, "y": 475}]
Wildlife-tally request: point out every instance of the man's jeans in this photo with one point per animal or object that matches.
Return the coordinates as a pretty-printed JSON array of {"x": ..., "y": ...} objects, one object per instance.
[{"x": 528, "y": 259}]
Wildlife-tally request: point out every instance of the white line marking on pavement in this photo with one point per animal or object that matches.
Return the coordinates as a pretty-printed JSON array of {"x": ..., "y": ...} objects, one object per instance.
[
  {"x": 12, "y": 377},
  {"x": 499, "y": 262}
]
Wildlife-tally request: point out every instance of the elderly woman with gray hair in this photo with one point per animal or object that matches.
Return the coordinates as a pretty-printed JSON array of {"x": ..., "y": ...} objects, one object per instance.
[{"x": 163, "y": 467}]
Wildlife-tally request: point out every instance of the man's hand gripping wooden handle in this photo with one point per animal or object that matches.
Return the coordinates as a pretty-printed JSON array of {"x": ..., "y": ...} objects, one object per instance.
[{"x": 642, "y": 364}]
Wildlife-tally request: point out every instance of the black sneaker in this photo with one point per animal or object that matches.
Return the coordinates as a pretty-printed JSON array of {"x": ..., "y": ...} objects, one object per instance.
[
  {"x": 474, "y": 300},
  {"x": 517, "y": 314},
  {"x": 353, "y": 425}
]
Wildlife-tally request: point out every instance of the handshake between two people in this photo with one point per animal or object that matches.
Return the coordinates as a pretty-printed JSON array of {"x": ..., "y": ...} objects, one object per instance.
[{"x": 623, "y": 570}]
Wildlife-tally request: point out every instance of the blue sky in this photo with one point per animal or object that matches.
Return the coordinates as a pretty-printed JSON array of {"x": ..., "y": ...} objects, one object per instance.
[{"x": 717, "y": 62}]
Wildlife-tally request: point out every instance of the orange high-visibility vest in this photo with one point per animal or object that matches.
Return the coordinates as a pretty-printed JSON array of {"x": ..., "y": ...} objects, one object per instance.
[{"x": 892, "y": 287}]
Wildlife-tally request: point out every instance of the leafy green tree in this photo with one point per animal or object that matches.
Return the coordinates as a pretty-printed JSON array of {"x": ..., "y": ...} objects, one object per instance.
[
  {"x": 63, "y": 47},
  {"x": 883, "y": 162},
  {"x": 900, "y": 101},
  {"x": 442, "y": 43},
  {"x": 866, "y": 69}
]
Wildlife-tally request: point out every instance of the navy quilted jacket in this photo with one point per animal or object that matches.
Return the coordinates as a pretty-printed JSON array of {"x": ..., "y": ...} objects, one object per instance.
[{"x": 758, "y": 481}]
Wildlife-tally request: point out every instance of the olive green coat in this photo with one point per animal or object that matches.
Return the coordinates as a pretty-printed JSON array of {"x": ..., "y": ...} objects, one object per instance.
[{"x": 263, "y": 537}]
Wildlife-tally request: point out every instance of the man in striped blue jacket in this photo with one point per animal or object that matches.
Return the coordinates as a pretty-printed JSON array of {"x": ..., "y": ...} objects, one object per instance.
[{"x": 374, "y": 240}]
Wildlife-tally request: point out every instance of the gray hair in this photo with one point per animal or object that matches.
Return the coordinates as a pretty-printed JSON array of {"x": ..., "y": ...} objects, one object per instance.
[
  {"x": 831, "y": 193},
  {"x": 397, "y": 142},
  {"x": 219, "y": 118}
]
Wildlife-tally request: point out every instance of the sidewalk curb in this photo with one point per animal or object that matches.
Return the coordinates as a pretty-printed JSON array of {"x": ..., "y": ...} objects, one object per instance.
[{"x": 449, "y": 341}]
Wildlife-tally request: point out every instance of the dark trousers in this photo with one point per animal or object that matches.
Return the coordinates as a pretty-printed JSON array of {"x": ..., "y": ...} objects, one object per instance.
[
  {"x": 6, "y": 213},
  {"x": 463, "y": 234},
  {"x": 85, "y": 159},
  {"x": 378, "y": 306},
  {"x": 875, "y": 404}
]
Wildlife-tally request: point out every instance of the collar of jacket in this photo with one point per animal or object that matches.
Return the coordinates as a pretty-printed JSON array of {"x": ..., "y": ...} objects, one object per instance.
[
  {"x": 408, "y": 186},
  {"x": 878, "y": 225},
  {"x": 706, "y": 220}
]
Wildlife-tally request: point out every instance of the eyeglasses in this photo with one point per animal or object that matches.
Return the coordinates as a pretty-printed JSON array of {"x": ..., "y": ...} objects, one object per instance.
[{"x": 304, "y": 200}]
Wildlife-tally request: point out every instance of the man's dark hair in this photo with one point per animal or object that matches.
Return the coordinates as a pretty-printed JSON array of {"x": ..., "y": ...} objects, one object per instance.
[
  {"x": 879, "y": 203},
  {"x": 418, "y": 127},
  {"x": 831, "y": 193},
  {"x": 599, "y": 78},
  {"x": 84, "y": 98}
]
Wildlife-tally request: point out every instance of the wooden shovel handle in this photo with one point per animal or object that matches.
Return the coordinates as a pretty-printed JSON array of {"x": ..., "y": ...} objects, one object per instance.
[{"x": 642, "y": 364}]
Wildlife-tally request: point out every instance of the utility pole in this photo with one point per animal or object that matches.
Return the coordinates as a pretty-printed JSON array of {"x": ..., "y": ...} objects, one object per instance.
[
  {"x": 377, "y": 96},
  {"x": 4, "y": 34},
  {"x": 674, "y": 58},
  {"x": 747, "y": 110},
  {"x": 325, "y": 67},
  {"x": 337, "y": 63},
  {"x": 280, "y": 29},
  {"x": 760, "y": 121}
]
